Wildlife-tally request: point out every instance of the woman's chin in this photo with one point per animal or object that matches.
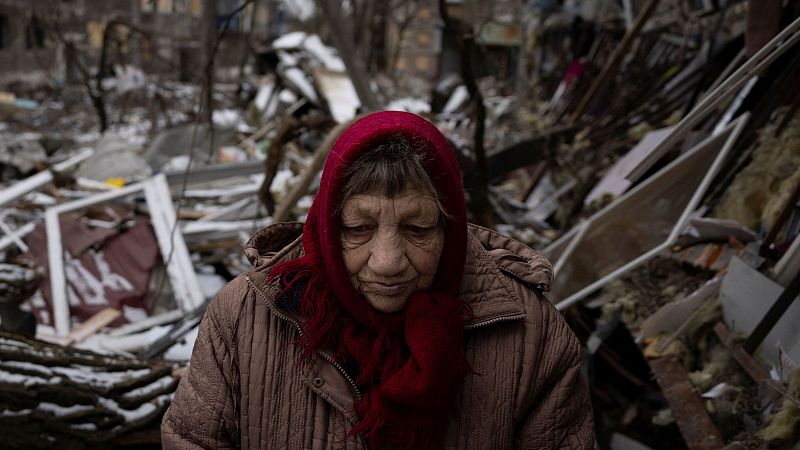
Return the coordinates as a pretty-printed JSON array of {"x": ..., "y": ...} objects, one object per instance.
[{"x": 386, "y": 304}]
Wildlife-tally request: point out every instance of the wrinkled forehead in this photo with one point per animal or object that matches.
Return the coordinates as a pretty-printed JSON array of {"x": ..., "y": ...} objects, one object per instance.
[{"x": 410, "y": 203}]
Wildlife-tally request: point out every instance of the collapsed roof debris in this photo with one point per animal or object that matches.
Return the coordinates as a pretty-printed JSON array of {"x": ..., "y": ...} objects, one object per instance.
[{"x": 648, "y": 148}]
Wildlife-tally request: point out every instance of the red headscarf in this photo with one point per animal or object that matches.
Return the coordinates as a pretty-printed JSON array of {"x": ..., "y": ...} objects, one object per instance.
[{"x": 410, "y": 363}]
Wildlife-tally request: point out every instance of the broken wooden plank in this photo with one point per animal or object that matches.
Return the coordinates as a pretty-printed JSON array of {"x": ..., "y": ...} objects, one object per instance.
[
  {"x": 753, "y": 368},
  {"x": 19, "y": 233},
  {"x": 150, "y": 322},
  {"x": 232, "y": 211},
  {"x": 284, "y": 208},
  {"x": 526, "y": 152},
  {"x": 615, "y": 181},
  {"x": 215, "y": 172},
  {"x": 763, "y": 23},
  {"x": 750, "y": 365},
  {"x": 93, "y": 325},
  {"x": 284, "y": 132},
  {"x": 338, "y": 91},
  {"x": 221, "y": 230},
  {"x": 675, "y": 316},
  {"x": 535, "y": 177},
  {"x": 690, "y": 414},
  {"x": 342, "y": 39}
]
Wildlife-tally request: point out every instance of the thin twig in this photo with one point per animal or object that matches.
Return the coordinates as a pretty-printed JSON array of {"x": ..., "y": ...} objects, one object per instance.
[{"x": 198, "y": 118}]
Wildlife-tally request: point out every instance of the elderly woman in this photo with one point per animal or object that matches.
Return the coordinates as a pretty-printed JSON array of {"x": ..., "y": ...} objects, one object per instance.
[{"x": 390, "y": 322}]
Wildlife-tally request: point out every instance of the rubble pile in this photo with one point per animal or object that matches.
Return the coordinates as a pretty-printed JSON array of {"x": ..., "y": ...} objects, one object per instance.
[
  {"x": 59, "y": 396},
  {"x": 649, "y": 150}
]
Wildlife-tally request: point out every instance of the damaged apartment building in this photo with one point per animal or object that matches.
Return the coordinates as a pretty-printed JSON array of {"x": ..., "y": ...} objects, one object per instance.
[
  {"x": 43, "y": 42},
  {"x": 427, "y": 51}
]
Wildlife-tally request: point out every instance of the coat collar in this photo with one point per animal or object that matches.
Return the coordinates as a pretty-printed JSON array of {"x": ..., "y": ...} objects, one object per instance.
[{"x": 485, "y": 285}]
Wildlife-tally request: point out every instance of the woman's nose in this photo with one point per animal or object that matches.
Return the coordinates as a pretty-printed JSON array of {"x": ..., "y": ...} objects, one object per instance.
[{"x": 388, "y": 256}]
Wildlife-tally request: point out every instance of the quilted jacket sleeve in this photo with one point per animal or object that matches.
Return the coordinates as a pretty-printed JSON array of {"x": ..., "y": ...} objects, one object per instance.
[
  {"x": 202, "y": 414},
  {"x": 559, "y": 415}
]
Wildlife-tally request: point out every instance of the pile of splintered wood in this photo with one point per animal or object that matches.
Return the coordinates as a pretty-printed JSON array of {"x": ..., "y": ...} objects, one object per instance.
[{"x": 53, "y": 396}]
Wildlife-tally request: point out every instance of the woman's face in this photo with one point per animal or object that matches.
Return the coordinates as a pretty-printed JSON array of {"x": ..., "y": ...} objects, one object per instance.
[{"x": 391, "y": 246}]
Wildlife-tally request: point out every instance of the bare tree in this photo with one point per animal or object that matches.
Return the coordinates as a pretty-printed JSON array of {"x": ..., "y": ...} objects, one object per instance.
[
  {"x": 332, "y": 10},
  {"x": 476, "y": 181},
  {"x": 402, "y": 13},
  {"x": 246, "y": 47},
  {"x": 115, "y": 33},
  {"x": 213, "y": 40}
]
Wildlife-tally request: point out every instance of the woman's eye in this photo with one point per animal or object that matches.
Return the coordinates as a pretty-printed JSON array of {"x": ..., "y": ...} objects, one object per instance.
[
  {"x": 418, "y": 231},
  {"x": 357, "y": 231}
]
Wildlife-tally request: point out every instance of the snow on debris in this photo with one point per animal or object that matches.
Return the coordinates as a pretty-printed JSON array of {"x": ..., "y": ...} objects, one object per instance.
[
  {"x": 10, "y": 413},
  {"x": 302, "y": 10},
  {"x": 326, "y": 55},
  {"x": 77, "y": 373},
  {"x": 60, "y": 411},
  {"x": 298, "y": 78},
  {"x": 289, "y": 41},
  {"x": 155, "y": 386},
  {"x": 141, "y": 412},
  {"x": 410, "y": 104}
]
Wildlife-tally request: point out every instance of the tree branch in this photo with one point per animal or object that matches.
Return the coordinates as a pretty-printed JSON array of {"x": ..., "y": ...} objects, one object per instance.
[{"x": 476, "y": 180}]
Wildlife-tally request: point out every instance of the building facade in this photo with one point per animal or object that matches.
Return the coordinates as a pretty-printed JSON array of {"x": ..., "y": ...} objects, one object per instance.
[
  {"x": 43, "y": 40},
  {"x": 427, "y": 52}
]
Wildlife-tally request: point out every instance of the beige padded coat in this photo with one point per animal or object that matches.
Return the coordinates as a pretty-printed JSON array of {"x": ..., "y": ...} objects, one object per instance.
[{"x": 245, "y": 387}]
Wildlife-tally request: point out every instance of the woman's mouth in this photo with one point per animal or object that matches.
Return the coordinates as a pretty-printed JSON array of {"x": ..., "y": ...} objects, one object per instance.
[{"x": 387, "y": 289}]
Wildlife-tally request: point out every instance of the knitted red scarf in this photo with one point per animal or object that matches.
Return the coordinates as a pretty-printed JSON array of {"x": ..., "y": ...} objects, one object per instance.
[{"x": 410, "y": 364}]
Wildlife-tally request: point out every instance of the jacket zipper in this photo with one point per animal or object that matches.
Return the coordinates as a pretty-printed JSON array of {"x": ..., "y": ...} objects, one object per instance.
[
  {"x": 299, "y": 328},
  {"x": 344, "y": 373},
  {"x": 494, "y": 320}
]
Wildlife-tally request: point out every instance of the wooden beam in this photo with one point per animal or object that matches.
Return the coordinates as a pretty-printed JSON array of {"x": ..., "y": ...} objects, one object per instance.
[
  {"x": 93, "y": 324},
  {"x": 690, "y": 414},
  {"x": 284, "y": 208}
]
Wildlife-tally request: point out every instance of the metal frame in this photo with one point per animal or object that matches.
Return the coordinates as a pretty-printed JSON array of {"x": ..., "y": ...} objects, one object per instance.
[
  {"x": 229, "y": 212},
  {"x": 173, "y": 248},
  {"x": 763, "y": 58},
  {"x": 34, "y": 182},
  {"x": 788, "y": 264},
  {"x": 573, "y": 237},
  {"x": 13, "y": 236},
  {"x": 216, "y": 172}
]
